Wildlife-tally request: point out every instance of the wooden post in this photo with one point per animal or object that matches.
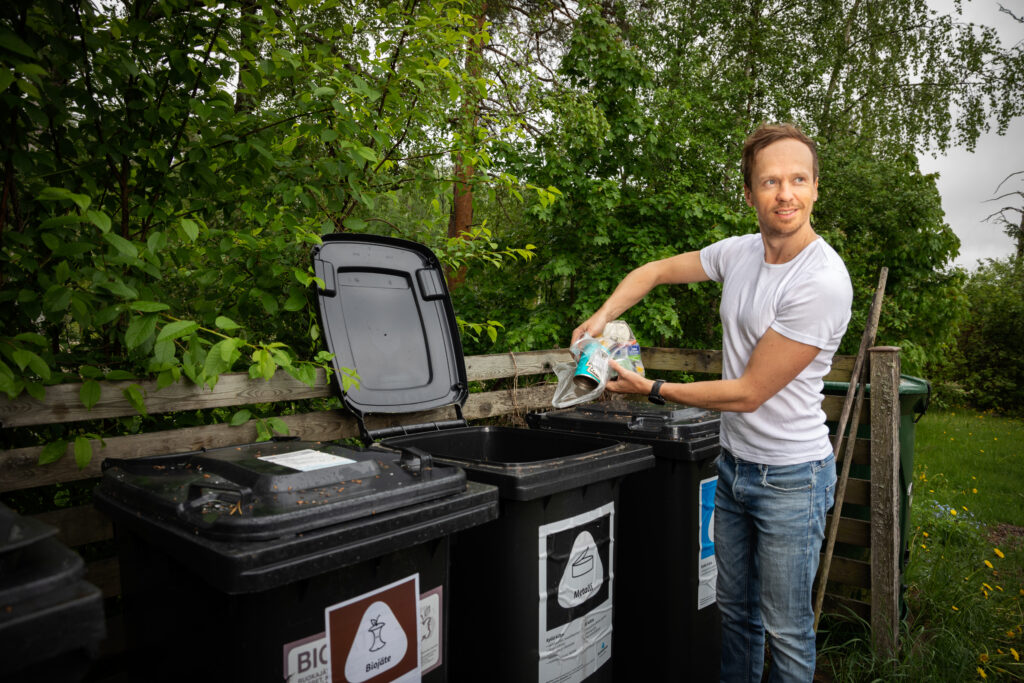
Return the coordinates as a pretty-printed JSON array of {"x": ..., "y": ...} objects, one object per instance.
[{"x": 885, "y": 497}]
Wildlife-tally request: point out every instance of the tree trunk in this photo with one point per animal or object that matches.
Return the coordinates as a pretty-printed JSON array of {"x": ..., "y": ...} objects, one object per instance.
[{"x": 461, "y": 219}]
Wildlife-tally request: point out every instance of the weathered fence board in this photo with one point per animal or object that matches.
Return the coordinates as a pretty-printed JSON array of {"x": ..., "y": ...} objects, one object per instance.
[
  {"x": 62, "y": 404},
  {"x": 885, "y": 497}
]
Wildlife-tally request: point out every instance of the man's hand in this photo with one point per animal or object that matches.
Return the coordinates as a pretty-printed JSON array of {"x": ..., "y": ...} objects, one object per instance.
[
  {"x": 628, "y": 381},
  {"x": 594, "y": 326}
]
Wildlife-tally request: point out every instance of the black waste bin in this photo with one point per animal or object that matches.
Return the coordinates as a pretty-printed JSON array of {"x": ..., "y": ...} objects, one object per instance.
[
  {"x": 51, "y": 621},
  {"x": 279, "y": 560},
  {"x": 533, "y": 592},
  {"x": 666, "y": 617}
]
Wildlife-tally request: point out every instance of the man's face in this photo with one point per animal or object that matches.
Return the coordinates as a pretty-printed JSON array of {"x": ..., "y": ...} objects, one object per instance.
[{"x": 783, "y": 188}]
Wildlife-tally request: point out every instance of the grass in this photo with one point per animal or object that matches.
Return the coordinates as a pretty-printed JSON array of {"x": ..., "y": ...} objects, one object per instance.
[{"x": 965, "y": 578}]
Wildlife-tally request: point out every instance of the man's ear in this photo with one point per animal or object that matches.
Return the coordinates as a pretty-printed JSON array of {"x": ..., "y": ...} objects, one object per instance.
[{"x": 746, "y": 193}]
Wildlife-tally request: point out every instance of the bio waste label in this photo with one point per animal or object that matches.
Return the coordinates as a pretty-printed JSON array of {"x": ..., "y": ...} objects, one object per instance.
[
  {"x": 430, "y": 630},
  {"x": 305, "y": 661},
  {"x": 375, "y": 637},
  {"x": 576, "y": 581},
  {"x": 707, "y": 572},
  {"x": 308, "y": 661}
]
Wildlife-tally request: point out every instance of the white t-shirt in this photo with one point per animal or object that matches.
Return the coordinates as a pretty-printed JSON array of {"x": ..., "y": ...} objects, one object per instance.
[{"x": 807, "y": 300}]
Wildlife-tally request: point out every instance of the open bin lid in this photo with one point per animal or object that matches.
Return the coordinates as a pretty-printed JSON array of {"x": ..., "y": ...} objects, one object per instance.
[
  {"x": 386, "y": 313},
  {"x": 270, "y": 490},
  {"x": 632, "y": 420}
]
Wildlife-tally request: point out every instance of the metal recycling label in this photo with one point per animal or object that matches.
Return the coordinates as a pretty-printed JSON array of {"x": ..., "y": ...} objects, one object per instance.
[{"x": 576, "y": 582}]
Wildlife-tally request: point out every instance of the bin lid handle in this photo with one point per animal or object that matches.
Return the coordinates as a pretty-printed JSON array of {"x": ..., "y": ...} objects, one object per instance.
[
  {"x": 415, "y": 460},
  {"x": 927, "y": 400},
  {"x": 647, "y": 423},
  {"x": 200, "y": 493}
]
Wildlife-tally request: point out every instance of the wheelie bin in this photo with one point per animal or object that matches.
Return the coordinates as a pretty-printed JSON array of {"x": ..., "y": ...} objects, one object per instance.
[
  {"x": 288, "y": 560},
  {"x": 534, "y": 591},
  {"x": 667, "y": 616},
  {"x": 51, "y": 620}
]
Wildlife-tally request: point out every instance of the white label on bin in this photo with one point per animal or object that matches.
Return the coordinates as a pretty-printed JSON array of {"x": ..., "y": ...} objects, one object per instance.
[
  {"x": 576, "y": 580},
  {"x": 308, "y": 660},
  {"x": 375, "y": 634},
  {"x": 430, "y": 630},
  {"x": 707, "y": 574},
  {"x": 305, "y": 661},
  {"x": 307, "y": 460}
]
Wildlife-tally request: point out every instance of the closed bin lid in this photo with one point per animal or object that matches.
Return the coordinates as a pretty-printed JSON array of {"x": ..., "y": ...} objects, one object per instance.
[
  {"x": 387, "y": 315},
  {"x": 915, "y": 393},
  {"x": 32, "y": 562},
  {"x": 269, "y": 490},
  {"x": 632, "y": 420},
  {"x": 17, "y": 532}
]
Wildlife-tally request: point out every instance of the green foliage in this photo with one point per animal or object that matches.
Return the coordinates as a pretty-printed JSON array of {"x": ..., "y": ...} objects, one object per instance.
[
  {"x": 884, "y": 212},
  {"x": 157, "y": 217},
  {"x": 987, "y": 363},
  {"x": 167, "y": 168}
]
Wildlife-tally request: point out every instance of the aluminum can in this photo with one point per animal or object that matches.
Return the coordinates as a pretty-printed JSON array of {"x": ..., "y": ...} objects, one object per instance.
[{"x": 587, "y": 377}]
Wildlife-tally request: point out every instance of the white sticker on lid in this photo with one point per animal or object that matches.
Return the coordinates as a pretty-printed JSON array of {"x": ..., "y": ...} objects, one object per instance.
[{"x": 307, "y": 460}]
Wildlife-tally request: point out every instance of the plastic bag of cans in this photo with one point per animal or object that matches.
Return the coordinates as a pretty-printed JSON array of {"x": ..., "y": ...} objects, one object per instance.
[{"x": 585, "y": 379}]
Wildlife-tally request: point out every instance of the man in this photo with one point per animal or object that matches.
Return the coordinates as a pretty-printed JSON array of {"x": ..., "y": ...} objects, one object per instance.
[{"x": 786, "y": 299}]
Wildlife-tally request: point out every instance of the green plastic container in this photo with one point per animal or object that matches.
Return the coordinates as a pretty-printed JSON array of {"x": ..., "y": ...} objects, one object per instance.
[{"x": 915, "y": 394}]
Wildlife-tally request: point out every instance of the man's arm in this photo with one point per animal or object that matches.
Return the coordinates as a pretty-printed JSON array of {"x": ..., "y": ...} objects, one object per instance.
[
  {"x": 775, "y": 362},
  {"x": 678, "y": 269}
]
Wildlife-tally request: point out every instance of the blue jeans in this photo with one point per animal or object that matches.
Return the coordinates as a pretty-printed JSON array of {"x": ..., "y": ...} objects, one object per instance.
[{"x": 769, "y": 525}]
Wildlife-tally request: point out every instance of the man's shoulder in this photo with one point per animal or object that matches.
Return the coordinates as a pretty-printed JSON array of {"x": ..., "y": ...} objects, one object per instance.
[
  {"x": 738, "y": 244},
  {"x": 825, "y": 269}
]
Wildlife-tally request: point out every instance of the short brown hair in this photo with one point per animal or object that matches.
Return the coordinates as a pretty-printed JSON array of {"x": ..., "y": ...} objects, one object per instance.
[{"x": 766, "y": 134}]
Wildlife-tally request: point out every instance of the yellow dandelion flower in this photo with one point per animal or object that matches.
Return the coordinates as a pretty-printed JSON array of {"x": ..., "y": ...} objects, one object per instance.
[
  {"x": 999, "y": 588},
  {"x": 955, "y": 608},
  {"x": 983, "y": 657},
  {"x": 981, "y": 672},
  {"x": 988, "y": 564},
  {"x": 1011, "y": 633},
  {"x": 925, "y": 534},
  {"x": 986, "y": 585},
  {"x": 982, "y": 450},
  {"x": 1016, "y": 657},
  {"x": 952, "y": 512},
  {"x": 964, "y": 507},
  {"x": 974, "y": 478},
  {"x": 924, "y": 547},
  {"x": 998, "y": 552},
  {"x": 974, "y": 490},
  {"x": 985, "y": 593},
  {"x": 999, "y": 650}
]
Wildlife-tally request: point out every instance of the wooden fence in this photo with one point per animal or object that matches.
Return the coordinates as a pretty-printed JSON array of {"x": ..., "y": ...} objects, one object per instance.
[{"x": 852, "y": 579}]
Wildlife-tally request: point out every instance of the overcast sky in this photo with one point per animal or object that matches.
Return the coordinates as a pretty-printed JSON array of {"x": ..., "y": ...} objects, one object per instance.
[{"x": 968, "y": 180}]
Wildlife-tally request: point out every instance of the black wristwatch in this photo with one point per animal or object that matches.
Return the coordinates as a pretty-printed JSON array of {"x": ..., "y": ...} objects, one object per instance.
[{"x": 655, "y": 396}]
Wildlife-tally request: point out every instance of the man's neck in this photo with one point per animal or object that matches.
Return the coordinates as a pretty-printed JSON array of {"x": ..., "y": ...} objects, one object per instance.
[{"x": 780, "y": 249}]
